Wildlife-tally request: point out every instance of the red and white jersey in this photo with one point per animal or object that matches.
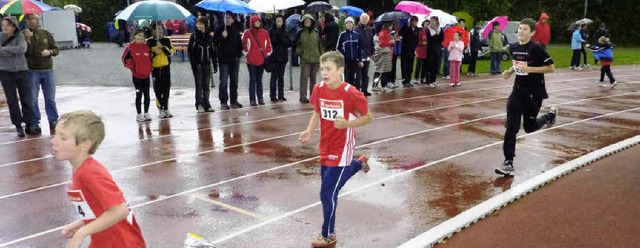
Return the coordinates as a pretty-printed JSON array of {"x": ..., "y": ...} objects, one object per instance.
[
  {"x": 336, "y": 145},
  {"x": 93, "y": 191}
]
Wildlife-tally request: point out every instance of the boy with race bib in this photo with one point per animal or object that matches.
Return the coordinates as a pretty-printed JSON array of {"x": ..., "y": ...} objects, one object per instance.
[
  {"x": 338, "y": 107},
  {"x": 100, "y": 203}
]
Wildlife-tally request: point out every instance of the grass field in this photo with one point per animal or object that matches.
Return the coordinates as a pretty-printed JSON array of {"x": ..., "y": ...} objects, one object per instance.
[{"x": 561, "y": 55}]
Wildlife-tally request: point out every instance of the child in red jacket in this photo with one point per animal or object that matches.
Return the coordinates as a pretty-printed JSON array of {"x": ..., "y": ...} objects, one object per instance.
[{"x": 137, "y": 57}]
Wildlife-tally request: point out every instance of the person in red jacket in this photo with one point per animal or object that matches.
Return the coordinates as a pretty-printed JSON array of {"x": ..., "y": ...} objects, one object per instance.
[
  {"x": 137, "y": 57},
  {"x": 421, "y": 71},
  {"x": 386, "y": 41},
  {"x": 543, "y": 31},
  {"x": 256, "y": 45}
]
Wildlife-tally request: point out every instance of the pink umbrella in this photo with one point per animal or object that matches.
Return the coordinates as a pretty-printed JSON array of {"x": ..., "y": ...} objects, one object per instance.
[
  {"x": 503, "y": 20},
  {"x": 412, "y": 7}
]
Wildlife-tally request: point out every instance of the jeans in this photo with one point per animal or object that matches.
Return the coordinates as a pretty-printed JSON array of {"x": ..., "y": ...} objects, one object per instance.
[
  {"x": 202, "y": 76},
  {"x": 228, "y": 74},
  {"x": 46, "y": 80},
  {"x": 255, "y": 82},
  {"x": 13, "y": 82},
  {"x": 521, "y": 107},
  {"x": 445, "y": 59},
  {"x": 276, "y": 84},
  {"x": 418, "y": 69},
  {"x": 495, "y": 63}
]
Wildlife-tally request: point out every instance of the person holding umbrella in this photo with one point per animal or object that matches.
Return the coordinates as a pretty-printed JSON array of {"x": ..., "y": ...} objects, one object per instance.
[
  {"x": 229, "y": 46},
  {"x": 161, "y": 51},
  {"x": 495, "y": 45},
  {"x": 330, "y": 32},
  {"x": 280, "y": 42},
  {"x": 409, "y": 35},
  {"x": 367, "y": 47}
]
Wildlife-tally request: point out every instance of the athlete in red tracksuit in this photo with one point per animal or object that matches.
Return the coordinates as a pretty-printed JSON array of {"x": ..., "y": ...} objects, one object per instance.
[
  {"x": 339, "y": 108},
  {"x": 137, "y": 57}
]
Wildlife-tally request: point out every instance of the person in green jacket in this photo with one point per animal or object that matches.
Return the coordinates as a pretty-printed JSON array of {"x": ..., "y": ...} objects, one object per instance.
[
  {"x": 309, "y": 49},
  {"x": 41, "y": 47},
  {"x": 495, "y": 46}
]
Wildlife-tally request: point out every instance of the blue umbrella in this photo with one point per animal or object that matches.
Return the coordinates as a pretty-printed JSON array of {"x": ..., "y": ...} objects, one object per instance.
[
  {"x": 293, "y": 21},
  {"x": 234, "y": 6},
  {"x": 153, "y": 10},
  {"x": 352, "y": 11}
]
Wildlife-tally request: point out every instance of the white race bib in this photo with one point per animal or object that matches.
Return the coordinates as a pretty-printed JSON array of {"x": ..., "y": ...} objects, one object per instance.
[
  {"x": 330, "y": 109},
  {"x": 517, "y": 65},
  {"x": 80, "y": 204}
]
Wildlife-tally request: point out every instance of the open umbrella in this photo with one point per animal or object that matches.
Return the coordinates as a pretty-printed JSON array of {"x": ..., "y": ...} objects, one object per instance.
[
  {"x": 233, "y": 6},
  {"x": 83, "y": 26},
  {"x": 352, "y": 11},
  {"x": 154, "y": 10},
  {"x": 392, "y": 16},
  {"x": 273, "y": 5},
  {"x": 73, "y": 7},
  {"x": 583, "y": 21},
  {"x": 19, "y": 7},
  {"x": 443, "y": 17},
  {"x": 413, "y": 7},
  {"x": 503, "y": 20},
  {"x": 293, "y": 21},
  {"x": 450, "y": 31},
  {"x": 318, "y": 6}
]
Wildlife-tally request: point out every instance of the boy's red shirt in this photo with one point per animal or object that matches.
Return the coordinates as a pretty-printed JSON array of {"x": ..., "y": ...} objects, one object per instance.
[
  {"x": 93, "y": 191},
  {"x": 336, "y": 145},
  {"x": 137, "y": 57}
]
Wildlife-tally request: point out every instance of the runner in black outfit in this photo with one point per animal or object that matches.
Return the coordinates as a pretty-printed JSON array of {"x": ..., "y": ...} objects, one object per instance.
[{"x": 530, "y": 62}]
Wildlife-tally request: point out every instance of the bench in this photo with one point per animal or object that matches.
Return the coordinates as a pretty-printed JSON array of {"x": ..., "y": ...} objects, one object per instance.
[{"x": 180, "y": 43}]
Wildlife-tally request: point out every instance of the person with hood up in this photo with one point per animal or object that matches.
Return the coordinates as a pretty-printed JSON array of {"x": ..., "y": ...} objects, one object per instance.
[
  {"x": 280, "y": 42},
  {"x": 309, "y": 48},
  {"x": 201, "y": 54},
  {"x": 475, "y": 45},
  {"x": 14, "y": 74},
  {"x": 229, "y": 46},
  {"x": 330, "y": 32},
  {"x": 349, "y": 46},
  {"x": 543, "y": 31},
  {"x": 257, "y": 47}
]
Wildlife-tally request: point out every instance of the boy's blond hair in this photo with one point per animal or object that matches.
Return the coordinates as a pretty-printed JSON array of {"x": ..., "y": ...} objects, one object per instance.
[
  {"x": 85, "y": 125},
  {"x": 333, "y": 56},
  {"x": 603, "y": 39}
]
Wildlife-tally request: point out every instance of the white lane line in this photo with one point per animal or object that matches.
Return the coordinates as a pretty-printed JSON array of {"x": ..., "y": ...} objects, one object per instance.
[
  {"x": 284, "y": 116},
  {"x": 283, "y": 136},
  {"x": 349, "y": 192},
  {"x": 447, "y": 228},
  {"x": 308, "y": 112},
  {"x": 388, "y": 178}
]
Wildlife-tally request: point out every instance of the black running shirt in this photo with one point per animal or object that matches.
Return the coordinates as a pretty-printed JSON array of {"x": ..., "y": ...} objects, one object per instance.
[{"x": 533, "y": 55}]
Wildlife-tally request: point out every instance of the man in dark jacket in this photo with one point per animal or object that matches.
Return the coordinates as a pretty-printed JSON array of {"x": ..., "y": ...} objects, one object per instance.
[
  {"x": 229, "y": 46},
  {"x": 280, "y": 43},
  {"x": 366, "y": 47},
  {"x": 409, "y": 34},
  {"x": 435, "y": 36},
  {"x": 475, "y": 45},
  {"x": 330, "y": 33}
]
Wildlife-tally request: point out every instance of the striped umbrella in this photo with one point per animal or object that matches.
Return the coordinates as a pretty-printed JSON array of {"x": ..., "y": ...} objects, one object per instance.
[{"x": 19, "y": 7}]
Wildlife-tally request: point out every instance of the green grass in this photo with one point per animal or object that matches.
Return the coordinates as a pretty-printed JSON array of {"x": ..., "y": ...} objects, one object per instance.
[{"x": 561, "y": 55}]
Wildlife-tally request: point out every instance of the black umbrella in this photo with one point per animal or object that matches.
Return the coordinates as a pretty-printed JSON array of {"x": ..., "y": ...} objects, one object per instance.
[
  {"x": 392, "y": 16},
  {"x": 318, "y": 6}
]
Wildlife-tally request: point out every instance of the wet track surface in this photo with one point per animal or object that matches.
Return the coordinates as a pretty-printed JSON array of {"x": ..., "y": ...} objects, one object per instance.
[{"x": 241, "y": 177}]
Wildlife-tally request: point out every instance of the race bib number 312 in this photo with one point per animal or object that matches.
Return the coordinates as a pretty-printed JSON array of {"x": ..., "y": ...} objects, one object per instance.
[{"x": 330, "y": 109}]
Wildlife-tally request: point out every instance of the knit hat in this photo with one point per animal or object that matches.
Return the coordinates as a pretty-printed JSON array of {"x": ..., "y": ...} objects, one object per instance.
[{"x": 349, "y": 19}]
